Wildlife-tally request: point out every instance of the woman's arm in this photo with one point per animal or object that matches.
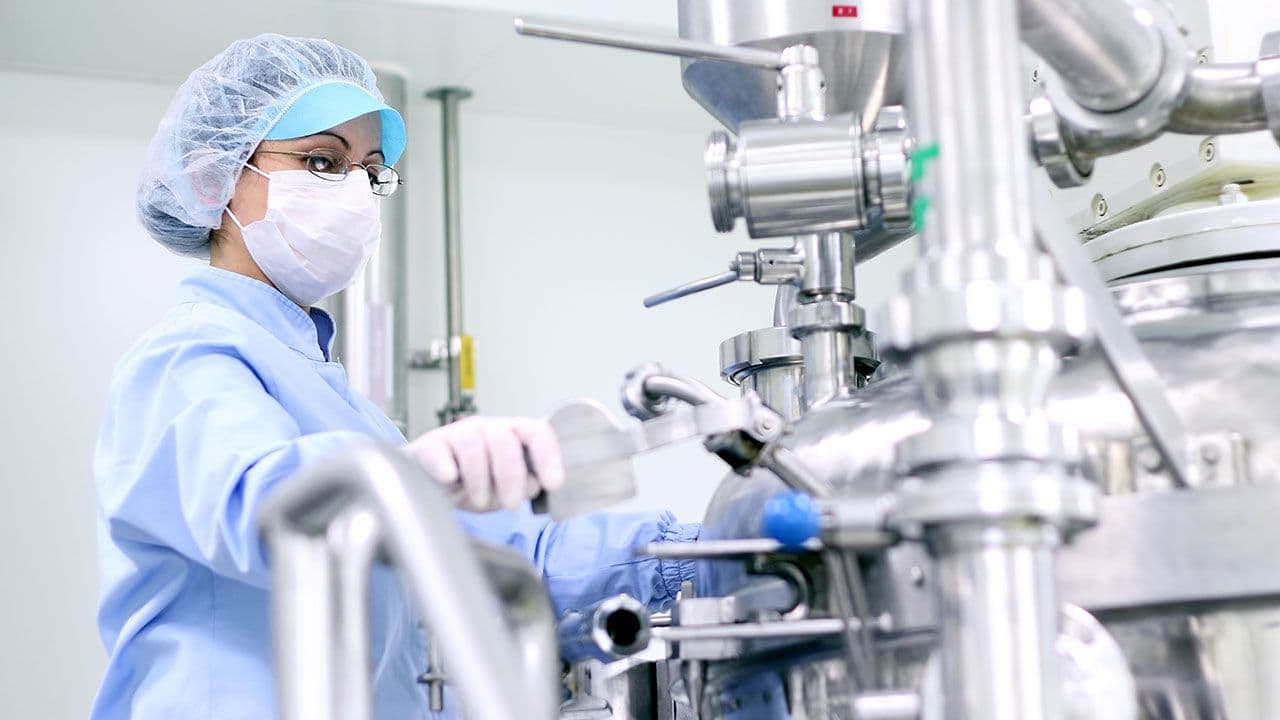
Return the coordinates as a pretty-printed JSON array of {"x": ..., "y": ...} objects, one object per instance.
[{"x": 587, "y": 559}]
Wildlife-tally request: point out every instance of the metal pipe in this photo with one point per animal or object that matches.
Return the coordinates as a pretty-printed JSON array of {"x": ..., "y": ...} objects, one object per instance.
[
  {"x": 353, "y": 540},
  {"x": 302, "y": 610},
  {"x": 652, "y": 43},
  {"x": 966, "y": 106},
  {"x": 782, "y": 304},
  {"x": 1109, "y": 54},
  {"x": 892, "y": 705},
  {"x": 612, "y": 628},
  {"x": 808, "y": 627},
  {"x": 828, "y": 366},
  {"x": 449, "y": 97},
  {"x": 681, "y": 388},
  {"x": 528, "y": 614},
  {"x": 994, "y": 564},
  {"x": 997, "y": 631},
  {"x": 1221, "y": 99},
  {"x": 428, "y": 548}
]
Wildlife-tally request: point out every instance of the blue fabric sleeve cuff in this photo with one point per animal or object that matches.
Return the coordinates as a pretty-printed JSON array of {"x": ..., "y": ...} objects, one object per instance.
[{"x": 675, "y": 572}]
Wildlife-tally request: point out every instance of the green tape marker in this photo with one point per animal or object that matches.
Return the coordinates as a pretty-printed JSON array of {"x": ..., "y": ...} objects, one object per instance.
[
  {"x": 919, "y": 207},
  {"x": 921, "y": 158}
]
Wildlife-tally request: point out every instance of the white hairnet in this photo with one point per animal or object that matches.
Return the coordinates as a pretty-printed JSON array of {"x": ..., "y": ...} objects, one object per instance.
[{"x": 215, "y": 122}]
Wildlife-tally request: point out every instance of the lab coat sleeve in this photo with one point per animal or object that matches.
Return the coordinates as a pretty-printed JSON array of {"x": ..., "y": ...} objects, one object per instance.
[
  {"x": 587, "y": 559},
  {"x": 191, "y": 444}
]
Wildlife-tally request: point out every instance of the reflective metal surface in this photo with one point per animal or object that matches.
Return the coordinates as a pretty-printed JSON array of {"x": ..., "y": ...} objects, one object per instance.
[
  {"x": 444, "y": 579},
  {"x": 1108, "y": 53},
  {"x": 1211, "y": 654},
  {"x": 860, "y": 56}
]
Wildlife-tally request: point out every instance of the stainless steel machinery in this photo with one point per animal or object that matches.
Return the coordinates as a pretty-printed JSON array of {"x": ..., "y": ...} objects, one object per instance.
[{"x": 1044, "y": 489}]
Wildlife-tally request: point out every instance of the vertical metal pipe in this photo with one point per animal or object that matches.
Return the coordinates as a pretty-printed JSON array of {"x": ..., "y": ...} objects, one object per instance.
[
  {"x": 997, "y": 629},
  {"x": 828, "y": 366},
  {"x": 390, "y": 271},
  {"x": 994, "y": 567},
  {"x": 303, "y": 625},
  {"x": 442, "y": 575},
  {"x": 353, "y": 539},
  {"x": 966, "y": 106},
  {"x": 449, "y": 98}
]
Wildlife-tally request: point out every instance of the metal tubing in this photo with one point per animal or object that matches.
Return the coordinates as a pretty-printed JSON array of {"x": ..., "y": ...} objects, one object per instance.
[
  {"x": 808, "y": 627},
  {"x": 892, "y": 705},
  {"x": 611, "y": 629},
  {"x": 428, "y": 548},
  {"x": 967, "y": 103},
  {"x": 652, "y": 43},
  {"x": 1221, "y": 99},
  {"x": 1109, "y": 54},
  {"x": 302, "y": 609},
  {"x": 353, "y": 539},
  {"x": 681, "y": 388},
  {"x": 449, "y": 98},
  {"x": 994, "y": 573},
  {"x": 828, "y": 366},
  {"x": 532, "y": 621},
  {"x": 999, "y": 620}
]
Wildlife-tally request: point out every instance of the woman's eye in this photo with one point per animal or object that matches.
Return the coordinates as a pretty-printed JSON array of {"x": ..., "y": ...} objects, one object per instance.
[{"x": 319, "y": 163}]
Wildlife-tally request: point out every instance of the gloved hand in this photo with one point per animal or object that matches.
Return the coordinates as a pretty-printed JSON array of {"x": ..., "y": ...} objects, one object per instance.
[{"x": 499, "y": 462}]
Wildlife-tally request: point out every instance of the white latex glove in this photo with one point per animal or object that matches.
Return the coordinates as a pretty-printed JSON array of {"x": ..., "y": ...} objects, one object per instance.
[{"x": 487, "y": 457}]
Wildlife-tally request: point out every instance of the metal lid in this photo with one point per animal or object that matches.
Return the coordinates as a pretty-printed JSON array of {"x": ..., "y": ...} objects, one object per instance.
[
  {"x": 752, "y": 351},
  {"x": 1189, "y": 237},
  {"x": 860, "y": 50}
]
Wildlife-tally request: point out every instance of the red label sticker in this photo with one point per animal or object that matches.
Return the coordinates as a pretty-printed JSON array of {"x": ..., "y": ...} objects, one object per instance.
[{"x": 846, "y": 11}]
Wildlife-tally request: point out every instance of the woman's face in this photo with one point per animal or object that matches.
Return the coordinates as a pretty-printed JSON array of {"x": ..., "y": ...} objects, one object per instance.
[{"x": 360, "y": 139}]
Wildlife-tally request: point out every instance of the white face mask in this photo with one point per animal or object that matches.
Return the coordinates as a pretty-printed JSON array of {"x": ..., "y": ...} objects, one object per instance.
[{"x": 317, "y": 235}]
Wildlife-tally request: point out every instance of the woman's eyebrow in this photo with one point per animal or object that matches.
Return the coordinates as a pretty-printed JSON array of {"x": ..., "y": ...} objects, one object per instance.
[{"x": 341, "y": 139}]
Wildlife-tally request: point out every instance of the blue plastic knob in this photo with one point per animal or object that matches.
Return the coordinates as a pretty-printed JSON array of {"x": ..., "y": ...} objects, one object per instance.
[{"x": 791, "y": 518}]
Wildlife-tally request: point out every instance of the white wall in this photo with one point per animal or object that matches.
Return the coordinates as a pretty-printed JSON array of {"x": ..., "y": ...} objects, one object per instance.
[{"x": 79, "y": 282}]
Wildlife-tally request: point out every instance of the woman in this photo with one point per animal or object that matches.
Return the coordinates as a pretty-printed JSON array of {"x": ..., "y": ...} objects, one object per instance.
[{"x": 270, "y": 162}]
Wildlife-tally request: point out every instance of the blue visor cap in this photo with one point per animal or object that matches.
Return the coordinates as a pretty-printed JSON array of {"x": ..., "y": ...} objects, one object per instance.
[{"x": 327, "y": 105}]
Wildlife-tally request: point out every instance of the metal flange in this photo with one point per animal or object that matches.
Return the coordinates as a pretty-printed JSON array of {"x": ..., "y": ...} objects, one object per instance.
[
  {"x": 756, "y": 350},
  {"x": 986, "y": 492},
  {"x": 989, "y": 438},
  {"x": 821, "y": 315},
  {"x": 987, "y": 308}
]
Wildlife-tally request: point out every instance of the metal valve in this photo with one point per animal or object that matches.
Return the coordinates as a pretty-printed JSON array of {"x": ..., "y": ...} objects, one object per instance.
[
  {"x": 770, "y": 266},
  {"x": 818, "y": 265},
  {"x": 810, "y": 176}
]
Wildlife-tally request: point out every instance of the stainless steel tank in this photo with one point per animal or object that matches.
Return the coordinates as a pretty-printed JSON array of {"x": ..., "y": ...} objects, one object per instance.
[
  {"x": 1211, "y": 327},
  {"x": 859, "y": 45}
]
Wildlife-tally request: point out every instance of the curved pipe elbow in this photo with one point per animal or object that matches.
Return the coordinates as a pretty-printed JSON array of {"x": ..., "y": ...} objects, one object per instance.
[{"x": 1221, "y": 99}]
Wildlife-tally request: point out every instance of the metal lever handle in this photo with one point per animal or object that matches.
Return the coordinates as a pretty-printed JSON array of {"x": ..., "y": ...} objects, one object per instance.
[
  {"x": 680, "y": 47},
  {"x": 696, "y": 286}
]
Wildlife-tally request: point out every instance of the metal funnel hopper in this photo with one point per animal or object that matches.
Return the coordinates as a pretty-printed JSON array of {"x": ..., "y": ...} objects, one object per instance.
[{"x": 860, "y": 49}]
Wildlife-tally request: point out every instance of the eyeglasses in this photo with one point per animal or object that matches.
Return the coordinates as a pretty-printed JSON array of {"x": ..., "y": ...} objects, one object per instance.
[{"x": 334, "y": 166}]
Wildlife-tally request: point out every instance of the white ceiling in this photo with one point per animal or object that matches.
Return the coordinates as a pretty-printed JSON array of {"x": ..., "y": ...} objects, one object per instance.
[{"x": 456, "y": 42}]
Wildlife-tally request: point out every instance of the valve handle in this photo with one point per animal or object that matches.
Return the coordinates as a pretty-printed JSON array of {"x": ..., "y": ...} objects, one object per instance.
[
  {"x": 697, "y": 286},
  {"x": 680, "y": 47}
]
